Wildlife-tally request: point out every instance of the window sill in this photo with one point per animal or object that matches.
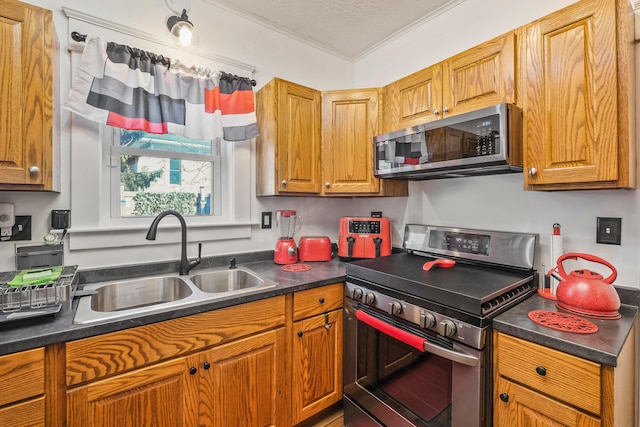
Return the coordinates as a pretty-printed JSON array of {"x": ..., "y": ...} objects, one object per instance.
[{"x": 131, "y": 236}]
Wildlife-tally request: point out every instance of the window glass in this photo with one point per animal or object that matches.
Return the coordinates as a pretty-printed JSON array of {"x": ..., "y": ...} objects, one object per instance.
[{"x": 160, "y": 172}]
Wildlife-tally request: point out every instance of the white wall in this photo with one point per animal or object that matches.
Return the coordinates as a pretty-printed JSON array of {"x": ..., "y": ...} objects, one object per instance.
[
  {"x": 497, "y": 202},
  {"x": 221, "y": 33}
]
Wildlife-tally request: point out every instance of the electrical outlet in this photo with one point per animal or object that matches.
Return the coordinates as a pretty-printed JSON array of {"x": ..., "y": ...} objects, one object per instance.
[{"x": 609, "y": 231}]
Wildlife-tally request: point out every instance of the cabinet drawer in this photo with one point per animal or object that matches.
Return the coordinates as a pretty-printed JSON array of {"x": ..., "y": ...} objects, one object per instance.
[
  {"x": 315, "y": 301},
  {"x": 22, "y": 375},
  {"x": 565, "y": 377},
  {"x": 116, "y": 352}
]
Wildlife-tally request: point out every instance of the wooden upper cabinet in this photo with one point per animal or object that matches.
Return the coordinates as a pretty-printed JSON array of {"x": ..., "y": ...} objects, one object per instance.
[
  {"x": 288, "y": 148},
  {"x": 413, "y": 99},
  {"x": 29, "y": 133},
  {"x": 349, "y": 123},
  {"x": 315, "y": 143},
  {"x": 480, "y": 77},
  {"x": 477, "y": 78},
  {"x": 578, "y": 98}
]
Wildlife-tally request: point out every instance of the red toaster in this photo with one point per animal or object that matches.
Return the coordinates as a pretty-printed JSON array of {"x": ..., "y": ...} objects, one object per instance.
[
  {"x": 314, "y": 248},
  {"x": 364, "y": 237}
]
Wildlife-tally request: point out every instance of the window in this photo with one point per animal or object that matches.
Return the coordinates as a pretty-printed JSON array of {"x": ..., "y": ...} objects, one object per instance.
[{"x": 152, "y": 173}]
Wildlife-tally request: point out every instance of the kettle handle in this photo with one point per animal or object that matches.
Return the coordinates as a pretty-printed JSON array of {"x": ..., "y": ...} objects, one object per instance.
[{"x": 575, "y": 255}]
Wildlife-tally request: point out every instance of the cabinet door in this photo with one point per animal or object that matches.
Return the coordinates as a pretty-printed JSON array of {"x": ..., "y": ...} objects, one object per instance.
[
  {"x": 162, "y": 395},
  {"x": 299, "y": 138},
  {"x": 479, "y": 77},
  {"x": 414, "y": 99},
  {"x": 317, "y": 364},
  {"x": 246, "y": 385},
  {"x": 350, "y": 121},
  {"x": 570, "y": 105},
  {"x": 26, "y": 97},
  {"x": 29, "y": 413},
  {"x": 517, "y": 406}
]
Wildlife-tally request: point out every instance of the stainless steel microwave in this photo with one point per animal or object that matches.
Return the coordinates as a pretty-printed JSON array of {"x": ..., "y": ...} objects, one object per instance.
[{"x": 482, "y": 142}]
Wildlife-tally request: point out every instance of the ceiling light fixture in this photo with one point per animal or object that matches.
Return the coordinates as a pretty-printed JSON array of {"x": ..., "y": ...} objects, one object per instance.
[{"x": 181, "y": 28}]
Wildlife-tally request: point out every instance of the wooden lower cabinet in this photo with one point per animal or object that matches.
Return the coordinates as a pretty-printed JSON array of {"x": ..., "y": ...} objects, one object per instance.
[
  {"x": 231, "y": 385},
  {"x": 317, "y": 350},
  {"x": 162, "y": 395},
  {"x": 22, "y": 393},
  {"x": 538, "y": 386}
]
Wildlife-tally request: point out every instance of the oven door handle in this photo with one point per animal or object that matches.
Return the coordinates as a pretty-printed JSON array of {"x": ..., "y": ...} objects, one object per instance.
[{"x": 414, "y": 340}]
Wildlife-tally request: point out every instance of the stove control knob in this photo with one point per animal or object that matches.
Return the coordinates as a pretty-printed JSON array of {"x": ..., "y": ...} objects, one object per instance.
[
  {"x": 447, "y": 328},
  {"x": 395, "y": 308},
  {"x": 369, "y": 298},
  {"x": 357, "y": 294},
  {"x": 427, "y": 320}
]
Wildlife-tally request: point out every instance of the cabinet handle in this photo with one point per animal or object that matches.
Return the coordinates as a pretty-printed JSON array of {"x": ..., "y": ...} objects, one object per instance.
[
  {"x": 34, "y": 170},
  {"x": 327, "y": 325},
  {"x": 541, "y": 370},
  {"x": 504, "y": 397},
  {"x": 533, "y": 171},
  {"x": 436, "y": 112},
  {"x": 193, "y": 370},
  {"x": 327, "y": 184},
  {"x": 300, "y": 333},
  {"x": 284, "y": 182},
  {"x": 445, "y": 110},
  {"x": 321, "y": 300},
  {"x": 206, "y": 365}
]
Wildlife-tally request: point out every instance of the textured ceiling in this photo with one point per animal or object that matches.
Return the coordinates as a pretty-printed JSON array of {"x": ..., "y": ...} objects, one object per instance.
[{"x": 347, "y": 28}]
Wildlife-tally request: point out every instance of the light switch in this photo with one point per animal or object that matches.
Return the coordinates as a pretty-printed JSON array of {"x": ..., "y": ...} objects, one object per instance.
[{"x": 609, "y": 231}]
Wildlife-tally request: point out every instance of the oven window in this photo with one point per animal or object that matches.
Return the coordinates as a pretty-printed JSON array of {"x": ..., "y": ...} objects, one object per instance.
[{"x": 415, "y": 384}]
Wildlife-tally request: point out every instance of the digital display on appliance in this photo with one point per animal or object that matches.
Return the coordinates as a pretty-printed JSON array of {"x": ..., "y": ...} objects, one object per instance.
[
  {"x": 364, "y": 227},
  {"x": 460, "y": 242}
]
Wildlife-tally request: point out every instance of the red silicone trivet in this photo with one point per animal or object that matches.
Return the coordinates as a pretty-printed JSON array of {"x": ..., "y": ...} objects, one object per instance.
[
  {"x": 296, "y": 267},
  {"x": 563, "y": 322}
]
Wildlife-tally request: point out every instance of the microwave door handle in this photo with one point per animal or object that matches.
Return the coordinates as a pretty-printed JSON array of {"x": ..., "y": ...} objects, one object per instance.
[{"x": 415, "y": 341}]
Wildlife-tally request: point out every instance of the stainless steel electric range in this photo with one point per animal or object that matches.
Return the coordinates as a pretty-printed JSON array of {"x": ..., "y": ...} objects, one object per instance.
[{"x": 417, "y": 342}]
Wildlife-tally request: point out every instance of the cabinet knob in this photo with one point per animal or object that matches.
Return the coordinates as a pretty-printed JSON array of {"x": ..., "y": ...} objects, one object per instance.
[
  {"x": 206, "y": 365},
  {"x": 284, "y": 182},
  {"x": 321, "y": 300},
  {"x": 327, "y": 184},
  {"x": 533, "y": 171},
  {"x": 541, "y": 370},
  {"x": 193, "y": 370},
  {"x": 436, "y": 112},
  {"x": 504, "y": 397},
  {"x": 445, "y": 109},
  {"x": 34, "y": 170},
  {"x": 300, "y": 334}
]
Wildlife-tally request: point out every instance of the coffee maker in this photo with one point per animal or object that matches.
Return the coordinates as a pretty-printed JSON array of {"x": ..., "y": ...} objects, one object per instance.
[{"x": 287, "y": 223}]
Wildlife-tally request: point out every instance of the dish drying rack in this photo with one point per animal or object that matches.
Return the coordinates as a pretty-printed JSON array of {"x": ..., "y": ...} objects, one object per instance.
[{"x": 26, "y": 301}]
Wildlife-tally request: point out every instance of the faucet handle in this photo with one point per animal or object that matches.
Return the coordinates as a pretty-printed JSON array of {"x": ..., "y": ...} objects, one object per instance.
[{"x": 232, "y": 263}]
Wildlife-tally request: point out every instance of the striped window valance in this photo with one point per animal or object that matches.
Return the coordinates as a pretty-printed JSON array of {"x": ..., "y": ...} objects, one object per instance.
[{"x": 133, "y": 89}]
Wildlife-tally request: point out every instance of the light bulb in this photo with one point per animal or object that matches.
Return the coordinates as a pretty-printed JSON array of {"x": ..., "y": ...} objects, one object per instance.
[{"x": 185, "y": 36}]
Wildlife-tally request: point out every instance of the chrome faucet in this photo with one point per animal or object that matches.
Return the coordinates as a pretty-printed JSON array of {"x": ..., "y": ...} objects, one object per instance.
[{"x": 185, "y": 264}]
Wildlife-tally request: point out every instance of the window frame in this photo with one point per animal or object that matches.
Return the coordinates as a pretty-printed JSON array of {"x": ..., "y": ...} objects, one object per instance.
[{"x": 112, "y": 151}]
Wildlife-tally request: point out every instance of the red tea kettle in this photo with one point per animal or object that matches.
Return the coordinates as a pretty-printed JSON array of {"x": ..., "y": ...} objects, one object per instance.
[{"x": 587, "y": 292}]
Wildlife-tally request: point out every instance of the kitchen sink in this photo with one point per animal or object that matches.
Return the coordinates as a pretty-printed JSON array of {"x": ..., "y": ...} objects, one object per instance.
[
  {"x": 139, "y": 293},
  {"x": 229, "y": 280},
  {"x": 106, "y": 301}
]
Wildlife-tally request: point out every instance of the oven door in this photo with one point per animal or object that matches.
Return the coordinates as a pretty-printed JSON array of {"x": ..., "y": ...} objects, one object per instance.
[{"x": 399, "y": 375}]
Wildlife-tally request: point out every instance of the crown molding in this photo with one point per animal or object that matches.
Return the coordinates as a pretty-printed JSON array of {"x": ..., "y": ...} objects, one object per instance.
[{"x": 114, "y": 26}]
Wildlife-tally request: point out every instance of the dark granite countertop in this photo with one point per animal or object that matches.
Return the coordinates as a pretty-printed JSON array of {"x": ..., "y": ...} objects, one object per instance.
[
  {"x": 603, "y": 346},
  {"x": 40, "y": 331}
]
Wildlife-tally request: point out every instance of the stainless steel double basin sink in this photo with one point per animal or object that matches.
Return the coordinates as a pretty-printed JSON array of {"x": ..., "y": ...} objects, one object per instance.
[{"x": 123, "y": 298}]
